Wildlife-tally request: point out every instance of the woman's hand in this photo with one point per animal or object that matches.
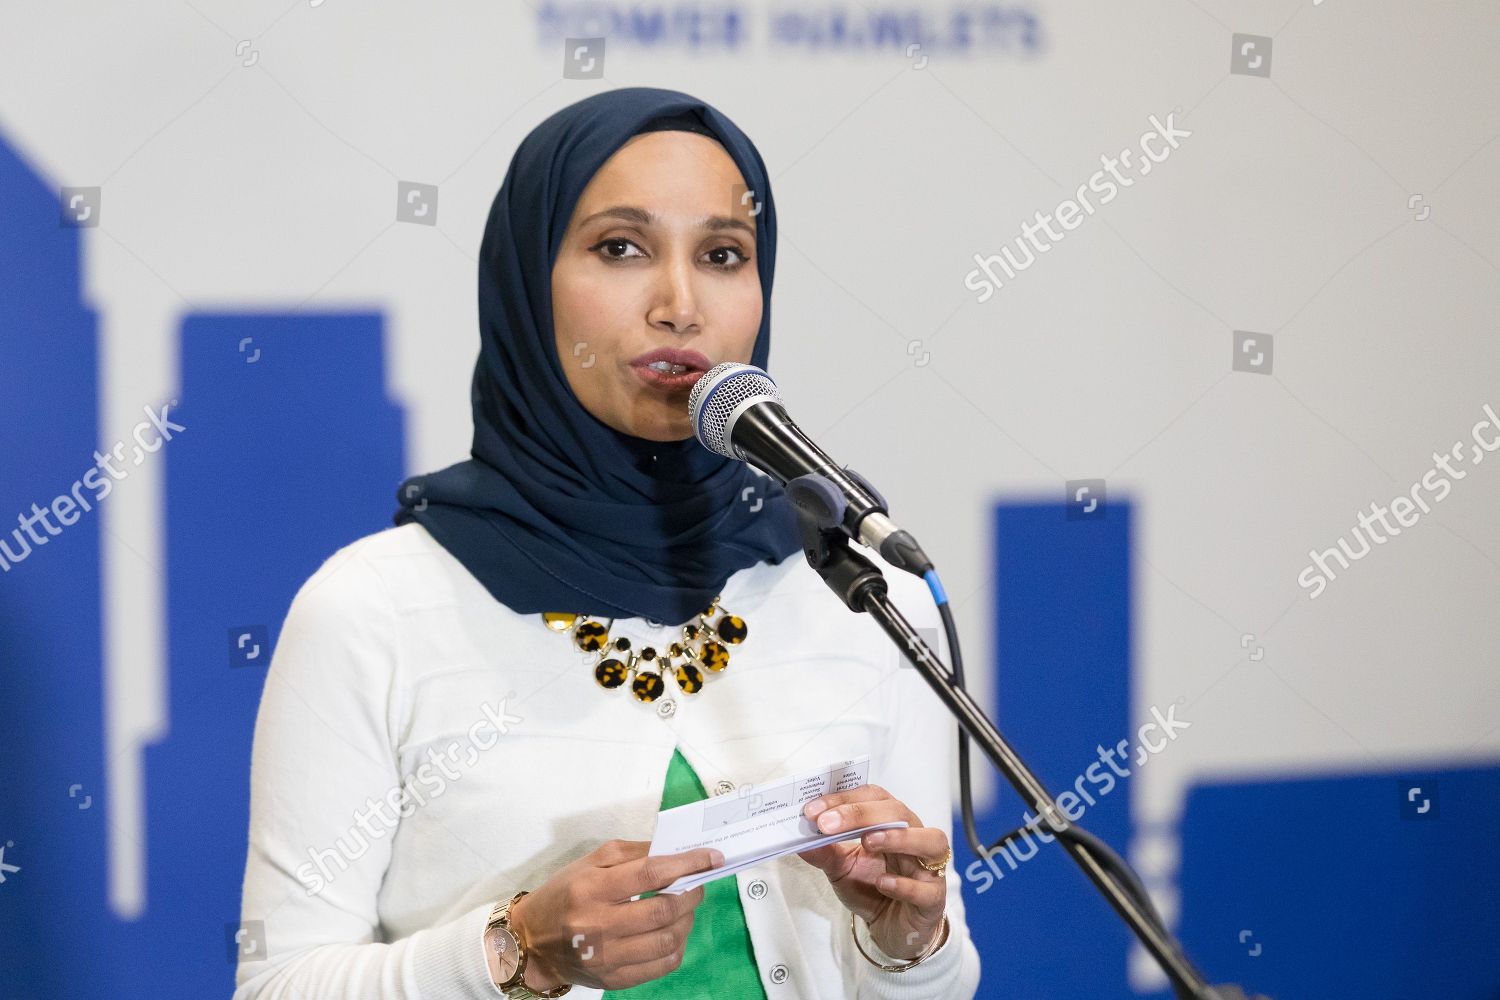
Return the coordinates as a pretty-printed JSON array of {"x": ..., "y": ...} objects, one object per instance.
[
  {"x": 581, "y": 926},
  {"x": 878, "y": 876}
]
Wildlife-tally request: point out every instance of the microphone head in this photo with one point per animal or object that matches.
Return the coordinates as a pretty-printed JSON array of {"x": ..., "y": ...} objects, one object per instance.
[{"x": 717, "y": 398}]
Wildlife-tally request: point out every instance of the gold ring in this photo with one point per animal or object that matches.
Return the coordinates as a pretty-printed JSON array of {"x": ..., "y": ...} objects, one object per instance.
[{"x": 941, "y": 868}]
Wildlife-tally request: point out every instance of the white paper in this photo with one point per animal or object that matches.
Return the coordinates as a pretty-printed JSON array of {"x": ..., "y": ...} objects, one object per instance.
[{"x": 758, "y": 823}]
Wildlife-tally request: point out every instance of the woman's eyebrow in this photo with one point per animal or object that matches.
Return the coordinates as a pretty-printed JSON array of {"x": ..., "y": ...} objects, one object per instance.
[{"x": 630, "y": 213}]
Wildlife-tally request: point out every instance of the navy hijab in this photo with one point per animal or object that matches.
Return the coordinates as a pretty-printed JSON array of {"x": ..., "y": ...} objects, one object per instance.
[{"x": 556, "y": 510}]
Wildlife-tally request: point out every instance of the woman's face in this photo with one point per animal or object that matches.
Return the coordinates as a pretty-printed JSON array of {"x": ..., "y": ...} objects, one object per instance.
[{"x": 658, "y": 254}]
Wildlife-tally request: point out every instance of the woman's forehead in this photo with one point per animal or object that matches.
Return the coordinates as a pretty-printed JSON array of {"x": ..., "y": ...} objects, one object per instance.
[{"x": 680, "y": 177}]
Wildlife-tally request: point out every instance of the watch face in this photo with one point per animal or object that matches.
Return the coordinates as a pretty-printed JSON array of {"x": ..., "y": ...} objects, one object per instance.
[{"x": 503, "y": 944}]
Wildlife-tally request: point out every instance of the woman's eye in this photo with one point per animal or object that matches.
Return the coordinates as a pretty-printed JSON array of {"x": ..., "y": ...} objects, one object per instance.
[
  {"x": 717, "y": 258},
  {"x": 615, "y": 242}
]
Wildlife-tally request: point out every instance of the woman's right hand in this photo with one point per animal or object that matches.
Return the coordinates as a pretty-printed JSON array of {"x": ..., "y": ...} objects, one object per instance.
[{"x": 582, "y": 927}]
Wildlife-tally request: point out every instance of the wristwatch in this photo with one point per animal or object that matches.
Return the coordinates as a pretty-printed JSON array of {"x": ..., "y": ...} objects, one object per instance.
[{"x": 510, "y": 957}]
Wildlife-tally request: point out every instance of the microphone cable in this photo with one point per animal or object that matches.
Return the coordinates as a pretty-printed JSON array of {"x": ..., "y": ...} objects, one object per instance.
[{"x": 1119, "y": 871}]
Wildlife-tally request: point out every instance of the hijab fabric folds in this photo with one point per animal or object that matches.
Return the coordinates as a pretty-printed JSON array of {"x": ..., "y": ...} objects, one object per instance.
[{"x": 556, "y": 510}]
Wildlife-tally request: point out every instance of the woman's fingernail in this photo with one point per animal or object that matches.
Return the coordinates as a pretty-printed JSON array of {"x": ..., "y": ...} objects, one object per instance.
[
  {"x": 815, "y": 806},
  {"x": 877, "y": 838},
  {"x": 717, "y": 856},
  {"x": 830, "y": 822}
]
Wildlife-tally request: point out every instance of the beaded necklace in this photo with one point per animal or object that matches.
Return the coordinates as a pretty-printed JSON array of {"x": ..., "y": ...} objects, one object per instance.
[{"x": 701, "y": 647}]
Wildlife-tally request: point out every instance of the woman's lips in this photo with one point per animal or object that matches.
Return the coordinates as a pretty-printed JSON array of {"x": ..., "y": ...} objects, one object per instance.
[
  {"x": 692, "y": 363},
  {"x": 674, "y": 355},
  {"x": 667, "y": 382}
]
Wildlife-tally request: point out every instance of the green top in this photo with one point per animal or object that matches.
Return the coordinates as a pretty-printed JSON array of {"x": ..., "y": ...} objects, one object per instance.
[{"x": 719, "y": 961}]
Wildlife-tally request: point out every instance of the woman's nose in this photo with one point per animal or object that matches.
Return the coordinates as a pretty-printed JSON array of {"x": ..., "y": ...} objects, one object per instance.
[{"x": 676, "y": 302}]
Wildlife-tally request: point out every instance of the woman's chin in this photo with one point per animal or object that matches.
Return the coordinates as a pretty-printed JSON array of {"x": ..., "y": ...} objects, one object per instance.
[
  {"x": 665, "y": 435},
  {"x": 677, "y": 430},
  {"x": 661, "y": 422}
]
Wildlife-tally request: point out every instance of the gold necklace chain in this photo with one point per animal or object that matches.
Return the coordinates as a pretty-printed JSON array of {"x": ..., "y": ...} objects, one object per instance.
[{"x": 701, "y": 647}]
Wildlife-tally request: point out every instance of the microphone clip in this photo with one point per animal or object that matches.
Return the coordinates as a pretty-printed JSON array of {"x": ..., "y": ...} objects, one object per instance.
[{"x": 820, "y": 509}]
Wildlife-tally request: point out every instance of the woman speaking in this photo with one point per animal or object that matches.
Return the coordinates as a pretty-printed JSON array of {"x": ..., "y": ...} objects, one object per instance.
[{"x": 473, "y": 717}]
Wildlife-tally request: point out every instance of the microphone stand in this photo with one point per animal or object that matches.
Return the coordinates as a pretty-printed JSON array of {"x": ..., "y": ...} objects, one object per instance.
[{"x": 862, "y": 588}]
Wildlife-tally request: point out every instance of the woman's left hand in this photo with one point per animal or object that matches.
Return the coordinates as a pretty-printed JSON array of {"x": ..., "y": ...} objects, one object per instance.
[{"x": 877, "y": 876}]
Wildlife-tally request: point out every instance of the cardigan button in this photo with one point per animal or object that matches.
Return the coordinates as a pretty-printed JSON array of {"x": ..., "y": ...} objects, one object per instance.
[
  {"x": 778, "y": 974},
  {"x": 666, "y": 707},
  {"x": 724, "y": 787},
  {"x": 757, "y": 889}
]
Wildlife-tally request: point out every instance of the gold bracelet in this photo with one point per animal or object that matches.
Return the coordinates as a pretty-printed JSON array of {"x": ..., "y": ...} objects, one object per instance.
[{"x": 941, "y": 940}]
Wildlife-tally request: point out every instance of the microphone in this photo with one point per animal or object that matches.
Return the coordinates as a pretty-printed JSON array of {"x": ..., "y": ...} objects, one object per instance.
[{"x": 737, "y": 412}]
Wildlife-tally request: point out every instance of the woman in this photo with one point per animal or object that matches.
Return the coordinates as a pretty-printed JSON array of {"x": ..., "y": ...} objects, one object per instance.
[{"x": 472, "y": 718}]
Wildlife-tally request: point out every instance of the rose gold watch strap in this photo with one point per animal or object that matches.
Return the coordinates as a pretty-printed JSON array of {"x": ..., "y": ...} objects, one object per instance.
[
  {"x": 519, "y": 990},
  {"x": 500, "y": 917}
]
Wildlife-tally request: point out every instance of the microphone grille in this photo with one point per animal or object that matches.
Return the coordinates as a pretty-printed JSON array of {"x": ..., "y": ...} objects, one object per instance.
[{"x": 717, "y": 394}]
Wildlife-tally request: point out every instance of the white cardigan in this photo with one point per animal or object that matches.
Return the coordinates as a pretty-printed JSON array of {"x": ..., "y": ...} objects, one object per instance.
[{"x": 388, "y": 656}]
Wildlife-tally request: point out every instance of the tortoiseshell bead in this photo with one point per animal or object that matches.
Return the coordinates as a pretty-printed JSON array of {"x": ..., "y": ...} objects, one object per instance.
[
  {"x": 689, "y": 678},
  {"x": 610, "y": 673},
  {"x": 590, "y": 636},
  {"x": 732, "y": 629},
  {"x": 714, "y": 656},
  {"x": 559, "y": 621},
  {"x": 621, "y": 644},
  {"x": 690, "y": 633},
  {"x": 647, "y": 685}
]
